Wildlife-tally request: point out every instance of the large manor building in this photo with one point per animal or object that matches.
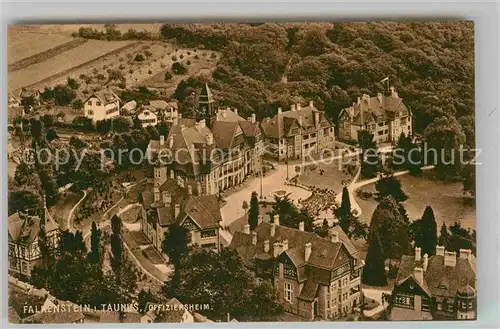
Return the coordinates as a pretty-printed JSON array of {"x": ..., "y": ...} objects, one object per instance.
[
  {"x": 173, "y": 200},
  {"x": 440, "y": 287},
  {"x": 218, "y": 149},
  {"x": 298, "y": 133},
  {"x": 385, "y": 116},
  {"x": 24, "y": 247},
  {"x": 313, "y": 277}
]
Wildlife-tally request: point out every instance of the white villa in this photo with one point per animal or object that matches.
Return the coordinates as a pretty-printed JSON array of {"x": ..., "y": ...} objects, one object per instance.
[{"x": 102, "y": 105}]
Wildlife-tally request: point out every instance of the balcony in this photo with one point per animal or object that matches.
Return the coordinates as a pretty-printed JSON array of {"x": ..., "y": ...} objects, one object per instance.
[{"x": 355, "y": 281}]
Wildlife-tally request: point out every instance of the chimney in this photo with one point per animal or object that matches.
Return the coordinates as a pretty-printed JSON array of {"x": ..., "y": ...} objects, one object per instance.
[
  {"x": 156, "y": 193},
  {"x": 301, "y": 226},
  {"x": 285, "y": 245},
  {"x": 465, "y": 254},
  {"x": 276, "y": 219},
  {"x": 379, "y": 96},
  {"x": 273, "y": 229},
  {"x": 425, "y": 262},
  {"x": 177, "y": 210},
  {"x": 254, "y": 237},
  {"x": 167, "y": 198},
  {"x": 418, "y": 254},
  {"x": 175, "y": 120},
  {"x": 393, "y": 92},
  {"x": 266, "y": 246},
  {"x": 210, "y": 139},
  {"x": 333, "y": 235},
  {"x": 253, "y": 118},
  {"x": 180, "y": 181},
  {"x": 307, "y": 250},
  {"x": 293, "y": 107},
  {"x": 246, "y": 229},
  {"x": 172, "y": 174},
  {"x": 192, "y": 152},
  {"x": 199, "y": 189},
  {"x": 359, "y": 100},
  {"x": 311, "y": 104},
  {"x": 162, "y": 140},
  {"x": 280, "y": 110},
  {"x": 260, "y": 219},
  {"x": 298, "y": 107},
  {"x": 235, "y": 111},
  {"x": 277, "y": 249},
  {"x": 300, "y": 120},
  {"x": 439, "y": 251},
  {"x": 316, "y": 118},
  {"x": 217, "y": 115},
  {"x": 418, "y": 273},
  {"x": 180, "y": 116},
  {"x": 190, "y": 190},
  {"x": 171, "y": 141},
  {"x": 450, "y": 258}
]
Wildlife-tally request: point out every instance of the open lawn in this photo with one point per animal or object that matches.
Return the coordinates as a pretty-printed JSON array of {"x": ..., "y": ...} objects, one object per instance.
[
  {"x": 445, "y": 198},
  {"x": 327, "y": 175},
  {"x": 24, "y": 41}
]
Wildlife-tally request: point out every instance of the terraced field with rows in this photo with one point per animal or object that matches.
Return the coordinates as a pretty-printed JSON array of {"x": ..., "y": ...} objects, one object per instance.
[{"x": 41, "y": 73}]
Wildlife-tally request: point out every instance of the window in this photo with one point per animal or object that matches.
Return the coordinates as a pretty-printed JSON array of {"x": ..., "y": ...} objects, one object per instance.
[
  {"x": 89, "y": 103},
  {"x": 98, "y": 103},
  {"x": 208, "y": 233},
  {"x": 439, "y": 306},
  {"x": 450, "y": 308},
  {"x": 402, "y": 121},
  {"x": 327, "y": 304},
  {"x": 470, "y": 304},
  {"x": 380, "y": 132},
  {"x": 209, "y": 245},
  {"x": 25, "y": 267},
  {"x": 288, "y": 292},
  {"x": 386, "y": 131},
  {"x": 91, "y": 112}
]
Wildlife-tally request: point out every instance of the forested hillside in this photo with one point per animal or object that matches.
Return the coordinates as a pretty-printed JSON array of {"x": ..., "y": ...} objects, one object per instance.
[{"x": 263, "y": 66}]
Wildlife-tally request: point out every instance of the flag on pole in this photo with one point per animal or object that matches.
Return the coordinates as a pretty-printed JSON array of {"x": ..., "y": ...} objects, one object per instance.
[{"x": 384, "y": 79}]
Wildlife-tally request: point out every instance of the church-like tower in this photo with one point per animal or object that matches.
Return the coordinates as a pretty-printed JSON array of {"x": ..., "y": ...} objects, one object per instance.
[{"x": 206, "y": 106}]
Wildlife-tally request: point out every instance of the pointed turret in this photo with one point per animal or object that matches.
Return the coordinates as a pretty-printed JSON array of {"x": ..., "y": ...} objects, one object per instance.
[{"x": 206, "y": 105}]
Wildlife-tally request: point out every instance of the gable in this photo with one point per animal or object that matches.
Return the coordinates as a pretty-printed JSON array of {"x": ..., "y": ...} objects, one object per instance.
[
  {"x": 410, "y": 286},
  {"x": 190, "y": 224},
  {"x": 238, "y": 131},
  {"x": 289, "y": 268}
]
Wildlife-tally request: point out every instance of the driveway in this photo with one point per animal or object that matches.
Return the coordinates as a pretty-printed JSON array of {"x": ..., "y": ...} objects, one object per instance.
[{"x": 233, "y": 210}]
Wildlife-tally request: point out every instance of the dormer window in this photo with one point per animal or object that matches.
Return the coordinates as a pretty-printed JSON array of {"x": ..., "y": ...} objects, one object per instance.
[{"x": 98, "y": 103}]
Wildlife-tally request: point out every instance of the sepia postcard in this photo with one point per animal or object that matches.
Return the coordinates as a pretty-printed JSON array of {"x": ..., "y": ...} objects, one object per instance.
[{"x": 301, "y": 171}]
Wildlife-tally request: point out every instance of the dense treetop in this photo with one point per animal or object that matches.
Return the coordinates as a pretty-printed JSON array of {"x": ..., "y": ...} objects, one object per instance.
[{"x": 263, "y": 66}]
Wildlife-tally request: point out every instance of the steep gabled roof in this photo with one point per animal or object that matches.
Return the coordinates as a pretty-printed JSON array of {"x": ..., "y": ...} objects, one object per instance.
[
  {"x": 304, "y": 117},
  {"x": 24, "y": 229},
  {"x": 377, "y": 108},
  {"x": 106, "y": 96},
  {"x": 324, "y": 253},
  {"x": 441, "y": 280}
]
